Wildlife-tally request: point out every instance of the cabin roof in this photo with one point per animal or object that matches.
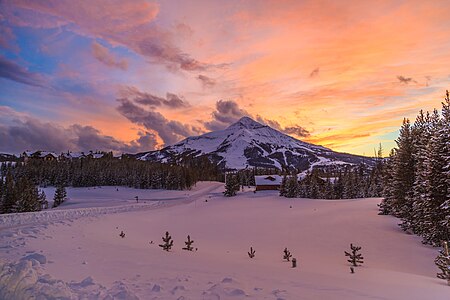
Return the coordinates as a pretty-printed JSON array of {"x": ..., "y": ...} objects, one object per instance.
[{"x": 268, "y": 179}]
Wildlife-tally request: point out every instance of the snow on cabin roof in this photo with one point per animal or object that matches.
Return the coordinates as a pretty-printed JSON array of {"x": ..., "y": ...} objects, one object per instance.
[
  {"x": 72, "y": 154},
  {"x": 46, "y": 153},
  {"x": 268, "y": 180}
]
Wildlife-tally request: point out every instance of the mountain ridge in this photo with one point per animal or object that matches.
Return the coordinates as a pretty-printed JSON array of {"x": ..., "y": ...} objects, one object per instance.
[{"x": 248, "y": 143}]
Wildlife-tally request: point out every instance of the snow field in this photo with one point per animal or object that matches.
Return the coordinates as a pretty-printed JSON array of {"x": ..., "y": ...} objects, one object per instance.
[{"x": 397, "y": 266}]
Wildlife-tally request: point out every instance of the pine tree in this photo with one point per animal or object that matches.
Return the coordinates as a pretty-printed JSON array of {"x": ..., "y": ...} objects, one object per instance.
[
  {"x": 168, "y": 242},
  {"x": 292, "y": 187},
  {"x": 442, "y": 261},
  {"x": 188, "y": 243},
  {"x": 27, "y": 196},
  {"x": 251, "y": 253},
  {"x": 403, "y": 175},
  {"x": 444, "y": 223},
  {"x": 283, "y": 186},
  {"x": 231, "y": 185},
  {"x": 355, "y": 258},
  {"x": 60, "y": 196},
  {"x": 286, "y": 254},
  {"x": 9, "y": 195},
  {"x": 42, "y": 199},
  {"x": 422, "y": 134}
]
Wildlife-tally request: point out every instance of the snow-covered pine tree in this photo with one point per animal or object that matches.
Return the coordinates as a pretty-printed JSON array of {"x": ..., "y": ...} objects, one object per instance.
[
  {"x": 445, "y": 136},
  {"x": 355, "y": 258},
  {"x": 168, "y": 242},
  {"x": 9, "y": 195},
  {"x": 292, "y": 187},
  {"x": 403, "y": 175},
  {"x": 27, "y": 196},
  {"x": 60, "y": 196},
  {"x": 283, "y": 186},
  {"x": 421, "y": 132},
  {"x": 42, "y": 199},
  {"x": 386, "y": 205},
  {"x": 231, "y": 185},
  {"x": 188, "y": 243},
  {"x": 442, "y": 261},
  {"x": 433, "y": 228}
]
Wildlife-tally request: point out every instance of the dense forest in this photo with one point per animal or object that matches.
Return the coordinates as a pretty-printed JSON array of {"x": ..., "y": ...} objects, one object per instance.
[
  {"x": 19, "y": 181},
  {"x": 336, "y": 182},
  {"x": 417, "y": 176}
]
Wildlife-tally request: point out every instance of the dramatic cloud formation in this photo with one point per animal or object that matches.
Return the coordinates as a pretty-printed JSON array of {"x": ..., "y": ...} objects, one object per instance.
[
  {"x": 342, "y": 74},
  {"x": 137, "y": 96},
  {"x": 15, "y": 72},
  {"x": 19, "y": 132},
  {"x": 103, "y": 55},
  {"x": 297, "y": 130},
  {"x": 226, "y": 113},
  {"x": 169, "y": 131},
  {"x": 128, "y": 23}
]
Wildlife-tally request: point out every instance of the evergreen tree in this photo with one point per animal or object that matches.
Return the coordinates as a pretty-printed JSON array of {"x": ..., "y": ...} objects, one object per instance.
[
  {"x": 445, "y": 137},
  {"x": 442, "y": 261},
  {"x": 291, "y": 187},
  {"x": 355, "y": 258},
  {"x": 9, "y": 195},
  {"x": 231, "y": 185},
  {"x": 168, "y": 242},
  {"x": 188, "y": 243},
  {"x": 27, "y": 196},
  {"x": 386, "y": 205},
  {"x": 251, "y": 253},
  {"x": 283, "y": 186},
  {"x": 42, "y": 199},
  {"x": 286, "y": 254},
  {"x": 403, "y": 174},
  {"x": 60, "y": 196}
]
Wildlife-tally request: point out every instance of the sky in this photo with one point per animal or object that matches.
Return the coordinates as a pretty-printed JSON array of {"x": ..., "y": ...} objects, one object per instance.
[{"x": 136, "y": 75}]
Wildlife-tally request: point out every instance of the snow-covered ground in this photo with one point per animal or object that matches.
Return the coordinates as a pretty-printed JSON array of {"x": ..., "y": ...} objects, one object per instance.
[{"x": 80, "y": 255}]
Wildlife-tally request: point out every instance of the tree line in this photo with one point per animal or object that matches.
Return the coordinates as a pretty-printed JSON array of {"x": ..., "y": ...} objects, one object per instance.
[
  {"x": 336, "y": 182},
  {"x": 417, "y": 176},
  {"x": 19, "y": 182}
]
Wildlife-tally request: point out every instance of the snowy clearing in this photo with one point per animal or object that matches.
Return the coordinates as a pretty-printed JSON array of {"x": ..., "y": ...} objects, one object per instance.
[{"x": 72, "y": 254}]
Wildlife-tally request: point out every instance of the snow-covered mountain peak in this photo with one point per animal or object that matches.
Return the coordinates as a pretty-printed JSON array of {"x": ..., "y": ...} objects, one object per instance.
[
  {"x": 247, "y": 123},
  {"x": 248, "y": 143}
]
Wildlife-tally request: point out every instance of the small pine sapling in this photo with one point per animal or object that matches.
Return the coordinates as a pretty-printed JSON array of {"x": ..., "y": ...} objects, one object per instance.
[
  {"x": 168, "y": 242},
  {"x": 251, "y": 254},
  {"x": 442, "y": 261},
  {"x": 189, "y": 243},
  {"x": 355, "y": 258},
  {"x": 286, "y": 254}
]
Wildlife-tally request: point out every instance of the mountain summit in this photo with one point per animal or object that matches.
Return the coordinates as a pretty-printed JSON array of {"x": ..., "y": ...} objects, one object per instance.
[{"x": 248, "y": 143}]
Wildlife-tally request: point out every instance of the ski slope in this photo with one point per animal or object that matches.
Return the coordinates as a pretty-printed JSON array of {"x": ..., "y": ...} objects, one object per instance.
[{"x": 82, "y": 256}]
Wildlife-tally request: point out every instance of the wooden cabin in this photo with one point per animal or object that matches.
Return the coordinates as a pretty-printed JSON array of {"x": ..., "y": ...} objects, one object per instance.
[{"x": 268, "y": 182}]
